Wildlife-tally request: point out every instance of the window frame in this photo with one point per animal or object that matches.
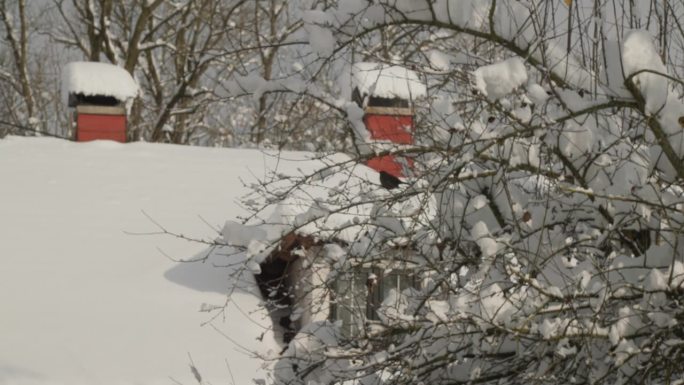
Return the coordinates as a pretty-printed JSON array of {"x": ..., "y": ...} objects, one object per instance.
[{"x": 374, "y": 295}]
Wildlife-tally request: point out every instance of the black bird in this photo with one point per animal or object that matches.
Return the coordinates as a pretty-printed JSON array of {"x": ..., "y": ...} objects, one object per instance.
[{"x": 389, "y": 181}]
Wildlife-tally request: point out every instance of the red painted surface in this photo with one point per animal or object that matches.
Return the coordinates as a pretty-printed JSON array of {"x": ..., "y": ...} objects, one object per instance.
[
  {"x": 389, "y": 164},
  {"x": 397, "y": 129},
  {"x": 96, "y": 127}
]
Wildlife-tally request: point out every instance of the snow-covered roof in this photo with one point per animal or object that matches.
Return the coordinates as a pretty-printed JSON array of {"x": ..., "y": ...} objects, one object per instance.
[
  {"x": 85, "y": 302},
  {"x": 332, "y": 199},
  {"x": 92, "y": 78},
  {"x": 318, "y": 207},
  {"x": 315, "y": 206},
  {"x": 386, "y": 81}
]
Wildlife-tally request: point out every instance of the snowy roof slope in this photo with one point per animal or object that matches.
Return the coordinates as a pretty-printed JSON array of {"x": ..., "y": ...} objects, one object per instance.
[
  {"x": 92, "y": 78},
  {"x": 336, "y": 199},
  {"x": 341, "y": 194},
  {"x": 83, "y": 302},
  {"x": 386, "y": 81},
  {"x": 329, "y": 198}
]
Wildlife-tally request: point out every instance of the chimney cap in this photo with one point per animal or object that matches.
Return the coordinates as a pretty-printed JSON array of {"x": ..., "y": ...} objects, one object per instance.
[
  {"x": 386, "y": 81},
  {"x": 94, "y": 79}
]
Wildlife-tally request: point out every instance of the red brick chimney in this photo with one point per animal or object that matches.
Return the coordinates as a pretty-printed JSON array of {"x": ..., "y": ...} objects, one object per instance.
[
  {"x": 386, "y": 94},
  {"x": 98, "y": 92}
]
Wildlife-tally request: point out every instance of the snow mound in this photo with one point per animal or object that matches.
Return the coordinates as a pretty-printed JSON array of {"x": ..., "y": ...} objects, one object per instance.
[{"x": 92, "y": 78}]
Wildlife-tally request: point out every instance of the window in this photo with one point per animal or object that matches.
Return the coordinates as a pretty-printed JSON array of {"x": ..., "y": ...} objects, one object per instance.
[{"x": 359, "y": 294}]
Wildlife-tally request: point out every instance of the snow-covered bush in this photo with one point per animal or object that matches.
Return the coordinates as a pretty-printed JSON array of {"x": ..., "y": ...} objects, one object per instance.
[{"x": 545, "y": 211}]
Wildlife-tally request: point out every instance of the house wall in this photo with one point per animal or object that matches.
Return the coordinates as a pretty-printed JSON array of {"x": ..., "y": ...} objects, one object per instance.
[{"x": 307, "y": 278}]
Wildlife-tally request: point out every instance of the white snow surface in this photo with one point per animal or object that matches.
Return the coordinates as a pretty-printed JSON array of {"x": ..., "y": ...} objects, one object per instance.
[
  {"x": 82, "y": 301},
  {"x": 500, "y": 79},
  {"x": 640, "y": 54},
  {"x": 334, "y": 203},
  {"x": 321, "y": 39},
  {"x": 92, "y": 78},
  {"x": 387, "y": 81}
]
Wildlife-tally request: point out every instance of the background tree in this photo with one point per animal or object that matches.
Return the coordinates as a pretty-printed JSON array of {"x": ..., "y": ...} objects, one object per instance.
[
  {"x": 29, "y": 101},
  {"x": 545, "y": 211},
  {"x": 196, "y": 61}
]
